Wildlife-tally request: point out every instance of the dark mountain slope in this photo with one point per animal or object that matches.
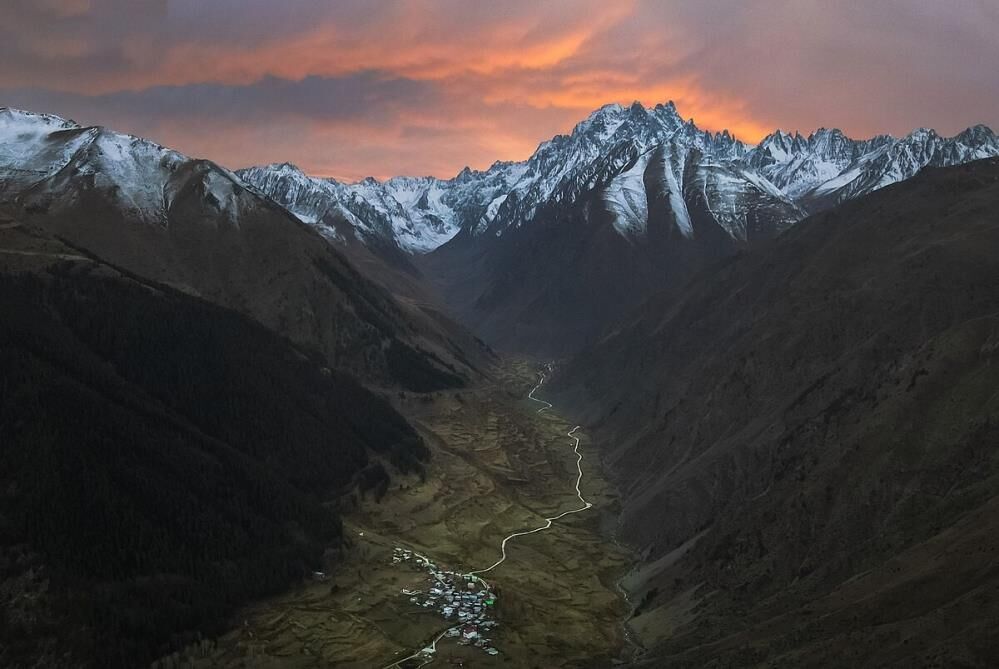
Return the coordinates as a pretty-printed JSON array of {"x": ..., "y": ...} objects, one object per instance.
[
  {"x": 162, "y": 460},
  {"x": 193, "y": 225},
  {"x": 807, "y": 439},
  {"x": 647, "y": 219}
]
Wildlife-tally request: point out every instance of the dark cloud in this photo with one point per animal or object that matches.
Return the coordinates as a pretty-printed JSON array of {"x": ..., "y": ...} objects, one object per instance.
[{"x": 370, "y": 96}]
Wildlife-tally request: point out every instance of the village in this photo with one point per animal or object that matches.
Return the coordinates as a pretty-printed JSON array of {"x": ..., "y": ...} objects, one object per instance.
[{"x": 465, "y": 599}]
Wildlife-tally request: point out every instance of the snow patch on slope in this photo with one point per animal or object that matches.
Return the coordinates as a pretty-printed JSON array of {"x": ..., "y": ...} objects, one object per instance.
[
  {"x": 28, "y": 153},
  {"x": 627, "y": 200},
  {"x": 135, "y": 170},
  {"x": 674, "y": 192}
]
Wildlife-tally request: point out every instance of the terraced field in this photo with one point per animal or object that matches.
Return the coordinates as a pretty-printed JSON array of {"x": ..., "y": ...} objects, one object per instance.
[{"x": 498, "y": 467}]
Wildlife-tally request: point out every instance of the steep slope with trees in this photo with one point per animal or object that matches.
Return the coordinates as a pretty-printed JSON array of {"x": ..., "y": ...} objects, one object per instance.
[{"x": 162, "y": 461}]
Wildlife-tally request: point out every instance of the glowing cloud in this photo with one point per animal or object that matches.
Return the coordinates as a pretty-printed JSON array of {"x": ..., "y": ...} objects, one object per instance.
[{"x": 384, "y": 87}]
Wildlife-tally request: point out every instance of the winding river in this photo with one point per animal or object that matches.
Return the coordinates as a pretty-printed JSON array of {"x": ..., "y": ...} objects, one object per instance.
[
  {"x": 427, "y": 653},
  {"x": 548, "y": 521}
]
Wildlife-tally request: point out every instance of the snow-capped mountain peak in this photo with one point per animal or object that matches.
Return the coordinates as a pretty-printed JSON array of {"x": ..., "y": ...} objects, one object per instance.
[
  {"x": 138, "y": 174},
  {"x": 630, "y": 156},
  {"x": 610, "y": 151}
]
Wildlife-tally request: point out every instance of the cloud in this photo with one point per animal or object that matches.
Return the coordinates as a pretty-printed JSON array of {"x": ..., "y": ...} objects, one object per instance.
[
  {"x": 373, "y": 96},
  {"x": 381, "y": 87}
]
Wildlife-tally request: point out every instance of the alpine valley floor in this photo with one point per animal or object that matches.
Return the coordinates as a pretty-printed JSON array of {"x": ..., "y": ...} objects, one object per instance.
[{"x": 498, "y": 467}]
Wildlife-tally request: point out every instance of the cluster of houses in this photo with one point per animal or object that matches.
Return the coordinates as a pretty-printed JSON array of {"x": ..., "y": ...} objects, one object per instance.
[{"x": 465, "y": 599}]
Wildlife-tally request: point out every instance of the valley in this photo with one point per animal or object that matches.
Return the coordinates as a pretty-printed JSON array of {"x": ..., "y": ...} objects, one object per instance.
[
  {"x": 499, "y": 467},
  {"x": 257, "y": 417}
]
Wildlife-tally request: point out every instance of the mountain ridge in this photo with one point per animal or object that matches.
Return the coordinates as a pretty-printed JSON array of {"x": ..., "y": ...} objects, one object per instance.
[
  {"x": 418, "y": 214},
  {"x": 797, "y": 166},
  {"x": 197, "y": 227}
]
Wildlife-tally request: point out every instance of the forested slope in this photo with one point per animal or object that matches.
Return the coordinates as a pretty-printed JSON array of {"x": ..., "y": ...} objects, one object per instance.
[{"x": 162, "y": 460}]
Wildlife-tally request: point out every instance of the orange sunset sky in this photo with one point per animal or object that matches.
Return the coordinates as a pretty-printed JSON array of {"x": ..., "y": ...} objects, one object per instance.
[{"x": 369, "y": 87}]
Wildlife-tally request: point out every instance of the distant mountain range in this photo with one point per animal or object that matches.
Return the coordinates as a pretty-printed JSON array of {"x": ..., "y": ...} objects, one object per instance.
[
  {"x": 614, "y": 149},
  {"x": 540, "y": 256}
]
